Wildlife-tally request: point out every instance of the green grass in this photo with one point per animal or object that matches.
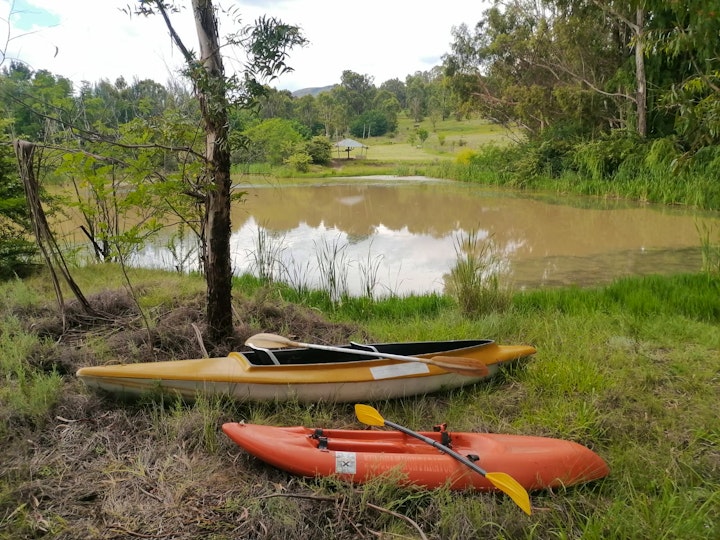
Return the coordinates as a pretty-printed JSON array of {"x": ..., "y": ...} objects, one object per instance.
[{"x": 629, "y": 370}]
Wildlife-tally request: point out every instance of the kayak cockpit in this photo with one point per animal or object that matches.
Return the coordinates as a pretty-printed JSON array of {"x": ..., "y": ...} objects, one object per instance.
[
  {"x": 259, "y": 356},
  {"x": 374, "y": 442}
]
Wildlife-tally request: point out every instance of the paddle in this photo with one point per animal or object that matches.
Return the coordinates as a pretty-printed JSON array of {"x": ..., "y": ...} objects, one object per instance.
[
  {"x": 457, "y": 364},
  {"x": 504, "y": 482}
]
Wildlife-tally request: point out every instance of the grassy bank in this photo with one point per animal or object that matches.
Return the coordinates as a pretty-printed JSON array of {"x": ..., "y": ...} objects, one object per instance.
[{"x": 630, "y": 370}]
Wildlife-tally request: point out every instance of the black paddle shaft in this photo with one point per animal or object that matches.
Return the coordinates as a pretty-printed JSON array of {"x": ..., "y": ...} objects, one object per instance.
[{"x": 462, "y": 459}]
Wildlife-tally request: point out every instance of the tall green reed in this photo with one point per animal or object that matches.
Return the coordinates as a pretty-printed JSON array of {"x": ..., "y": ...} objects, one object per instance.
[
  {"x": 267, "y": 255},
  {"x": 709, "y": 247},
  {"x": 368, "y": 274},
  {"x": 476, "y": 279},
  {"x": 332, "y": 265}
]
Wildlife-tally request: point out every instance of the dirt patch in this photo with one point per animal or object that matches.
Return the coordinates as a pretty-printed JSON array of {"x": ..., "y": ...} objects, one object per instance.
[{"x": 118, "y": 333}]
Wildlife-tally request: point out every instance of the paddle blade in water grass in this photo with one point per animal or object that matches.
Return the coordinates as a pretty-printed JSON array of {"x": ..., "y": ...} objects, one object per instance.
[
  {"x": 508, "y": 485},
  {"x": 368, "y": 415}
]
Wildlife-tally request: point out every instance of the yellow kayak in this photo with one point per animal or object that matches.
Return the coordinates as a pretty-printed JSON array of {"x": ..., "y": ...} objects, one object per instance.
[{"x": 309, "y": 375}]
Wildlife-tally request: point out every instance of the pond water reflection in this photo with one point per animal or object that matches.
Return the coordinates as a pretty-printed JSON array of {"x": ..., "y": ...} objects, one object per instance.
[{"x": 404, "y": 233}]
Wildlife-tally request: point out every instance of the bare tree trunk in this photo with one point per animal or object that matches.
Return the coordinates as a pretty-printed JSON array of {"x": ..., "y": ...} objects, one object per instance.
[
  {"x": 214, "y": 107},
  {"x": 640, "y": 72},
  {"x": 25, "y": 151},
  {"x": 266, "y": 48},
  {"x": 638, "y": 29}
]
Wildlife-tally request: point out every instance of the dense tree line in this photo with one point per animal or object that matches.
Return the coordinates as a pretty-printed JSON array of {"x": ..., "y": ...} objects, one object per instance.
[
  {"x": 583, "y": 68},
  {"x": 40, "y": 103}
]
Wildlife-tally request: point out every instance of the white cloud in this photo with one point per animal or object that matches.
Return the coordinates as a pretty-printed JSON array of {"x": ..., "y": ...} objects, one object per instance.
[{"x": 385, "y": 39}]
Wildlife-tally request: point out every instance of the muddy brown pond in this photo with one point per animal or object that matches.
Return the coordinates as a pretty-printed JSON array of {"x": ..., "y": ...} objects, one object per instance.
[{"x": 400, "y": 236}]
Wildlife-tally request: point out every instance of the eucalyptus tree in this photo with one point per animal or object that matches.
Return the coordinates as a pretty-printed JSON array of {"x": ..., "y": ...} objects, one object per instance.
[
  {"x": 686, "y": 35},
  {"x": 397, "y": 88},
  {"x": 305, "y": 110},
  {"x": 440, "y": 100},
  {"x": 113, "y": 104},
  {"x": 371, "y": 123},
  {"x": 266, "y": 44},
  {"x": 548, "y": 63},
  {"x": 275, "y": 104},
  {"x": 355, "y": 93},
  {"x": 31, "y": 99},
  {"x": 417, "y": 95},
  {"x": 387, "y": 103},
  {"x": 634, "y": 17},
  {"x": 331, "y": 114}
]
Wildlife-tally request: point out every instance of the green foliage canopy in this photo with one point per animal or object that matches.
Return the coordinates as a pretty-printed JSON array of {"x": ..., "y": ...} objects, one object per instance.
[{"x": 16, "y": 248}]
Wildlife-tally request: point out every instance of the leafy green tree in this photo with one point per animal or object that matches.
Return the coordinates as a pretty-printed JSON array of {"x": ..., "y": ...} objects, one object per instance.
[
  {"x": 16, "y": 250},
  {"x": 30, "y": 98},
  {"x": 685, "y": 37},
  {"x": 330, "y": 114},
  {"x": 371, "y": 123},
  {"x": 535, "y": 67},
  {"x": 416, "y": 96},
  {"x": 272, "y": 141},
  {"x": 440, "y": 102},
  {"x": 130, "y": 181},
  {"x": 355, "y": 93},
  {"x": 305, "y": 111},
  {"x": 275, "y": 104},
  {"x": 397, "y": 88},
  {"x": 386, "y": 102}
]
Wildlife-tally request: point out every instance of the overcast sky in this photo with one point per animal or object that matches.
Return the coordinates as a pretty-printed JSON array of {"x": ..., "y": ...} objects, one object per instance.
[{"x": 89, "y": 40}]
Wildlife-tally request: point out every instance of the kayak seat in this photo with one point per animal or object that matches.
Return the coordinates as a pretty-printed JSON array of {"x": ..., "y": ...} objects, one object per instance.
[
  {"x": 363, "y": 347},
  {"x": 261, "y": 351}
]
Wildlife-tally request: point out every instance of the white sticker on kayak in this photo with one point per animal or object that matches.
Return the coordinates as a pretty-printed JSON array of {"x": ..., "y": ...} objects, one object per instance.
[
  {"x": 398, "y": 370},
  {"x": 345, "y": 462}
]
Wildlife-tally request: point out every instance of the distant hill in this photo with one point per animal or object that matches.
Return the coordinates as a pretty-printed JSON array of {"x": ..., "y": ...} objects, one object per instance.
[{"x": 312, "y": 91}]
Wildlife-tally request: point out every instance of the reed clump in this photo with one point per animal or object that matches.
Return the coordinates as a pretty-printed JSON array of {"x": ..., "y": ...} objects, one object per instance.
[{"x": 476, "y": 279}]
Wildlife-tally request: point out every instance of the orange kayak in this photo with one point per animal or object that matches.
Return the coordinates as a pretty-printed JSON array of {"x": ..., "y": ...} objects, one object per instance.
[{"x": 362, "y": 455}]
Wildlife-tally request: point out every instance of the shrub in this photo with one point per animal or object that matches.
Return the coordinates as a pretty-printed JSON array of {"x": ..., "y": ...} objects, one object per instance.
[
  {"x": 464, "y": 157},
  {"x": 601, "y": 159},
  {"x": 319, "y": 148},
  {"x": 273, "y": 140},
  {"x": 300, "y": 161}
]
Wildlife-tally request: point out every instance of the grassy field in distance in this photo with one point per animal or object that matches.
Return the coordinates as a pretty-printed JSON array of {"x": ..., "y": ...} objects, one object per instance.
[{"x": 445, "y": 140}]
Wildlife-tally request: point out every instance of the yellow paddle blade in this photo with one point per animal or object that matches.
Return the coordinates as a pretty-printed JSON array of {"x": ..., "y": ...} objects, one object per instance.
[
  {"x": 460, "y": 364},
  {"x": 507, "y": 484},
  {"x": 367, "y": 415}
]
